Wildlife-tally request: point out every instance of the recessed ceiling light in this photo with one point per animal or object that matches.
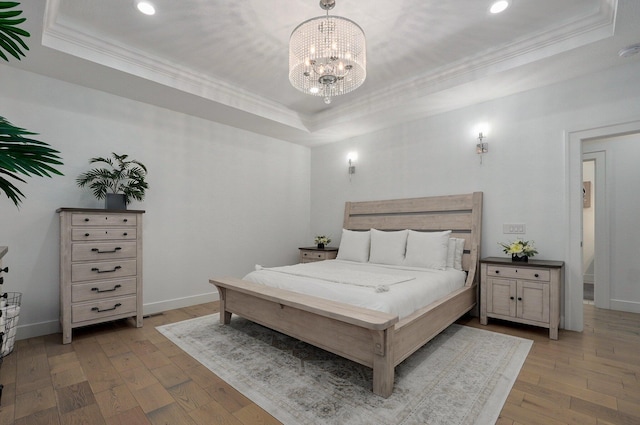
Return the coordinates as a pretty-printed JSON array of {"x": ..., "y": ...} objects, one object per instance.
[
  {"x": 499, "y": 6},
  {"x": 634, "y": 49},
  {"x": 146, "y": 8}
]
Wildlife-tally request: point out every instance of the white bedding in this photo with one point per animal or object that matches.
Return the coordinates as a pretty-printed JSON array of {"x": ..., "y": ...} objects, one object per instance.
[{"x": 397, "y": 290}]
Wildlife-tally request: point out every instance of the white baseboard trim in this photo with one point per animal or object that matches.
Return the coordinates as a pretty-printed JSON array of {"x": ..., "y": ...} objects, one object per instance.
[
  {"x": 32, "y": 330},
  {"x": 159, "y": 307},
  {"x": 628, "y": 306},
  {"x": 38, "y": 329}
]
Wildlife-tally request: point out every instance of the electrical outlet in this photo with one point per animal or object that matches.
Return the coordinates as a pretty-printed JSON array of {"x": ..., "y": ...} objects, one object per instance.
[{"x": 514, "y": 229}]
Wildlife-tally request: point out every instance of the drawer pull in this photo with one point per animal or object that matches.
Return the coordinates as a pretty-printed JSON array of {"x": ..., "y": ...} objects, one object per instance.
[
  {"x": 96, "y": 250},
  {"x": 95, "y": 269},
  {"x": 125, "y": 234},
  {"x": 125, "y": 220},
  {"x": 86, "y": 234},
  {"x": 97, "y": 309},
  {"x": 6, "y": 270},
  {"x": 99, "y": 291},
  {"x": 519, "y": 298},
  {"x": 536, "y": 275},
  {"x": 86, "y": 219},
  {"x": 511, "y": 298},
  {"x": 497, "y": 271}
]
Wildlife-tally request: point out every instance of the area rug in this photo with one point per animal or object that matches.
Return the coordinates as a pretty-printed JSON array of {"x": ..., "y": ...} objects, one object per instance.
[{"x": 462, "y": 376}]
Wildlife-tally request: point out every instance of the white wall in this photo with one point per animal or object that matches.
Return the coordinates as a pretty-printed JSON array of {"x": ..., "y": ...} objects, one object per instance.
[
  {"x": 523, "y": 177},
  {"x": 622, "y": 201},
  {"x": 220, "y": 199}
]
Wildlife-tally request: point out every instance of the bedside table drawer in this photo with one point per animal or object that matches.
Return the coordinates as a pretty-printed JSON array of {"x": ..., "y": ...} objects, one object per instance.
[
  {"x": 311, "y": 254},
  {"x": 541, "y": 275},
  {"x": 314, "y": 256}
]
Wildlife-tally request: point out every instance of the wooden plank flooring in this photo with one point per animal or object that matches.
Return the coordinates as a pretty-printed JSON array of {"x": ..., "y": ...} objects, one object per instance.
[{"x": 115, "y": 374}]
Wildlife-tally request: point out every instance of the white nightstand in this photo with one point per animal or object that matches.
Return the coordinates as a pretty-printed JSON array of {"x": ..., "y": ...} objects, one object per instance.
[
  {"x": 523, "y": 292},
  {"x": 312, "y": 253}
]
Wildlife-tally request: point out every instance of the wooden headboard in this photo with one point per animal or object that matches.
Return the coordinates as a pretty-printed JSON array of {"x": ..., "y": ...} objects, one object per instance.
[{"x": 462, "y": 214}]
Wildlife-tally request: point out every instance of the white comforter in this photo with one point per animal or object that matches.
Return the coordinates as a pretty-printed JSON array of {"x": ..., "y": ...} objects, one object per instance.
[{"x": 393, "y": 289}]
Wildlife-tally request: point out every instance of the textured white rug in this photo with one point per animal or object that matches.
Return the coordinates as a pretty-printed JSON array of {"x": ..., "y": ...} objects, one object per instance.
[{"x": 463, "y": 376}]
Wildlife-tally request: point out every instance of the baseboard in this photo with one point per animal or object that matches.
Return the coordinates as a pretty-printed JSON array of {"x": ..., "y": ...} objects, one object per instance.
[
  {"x": 628, "y": 306},
  {"x": 159, "y": 307},
  {"x": 32, "y": 330}
]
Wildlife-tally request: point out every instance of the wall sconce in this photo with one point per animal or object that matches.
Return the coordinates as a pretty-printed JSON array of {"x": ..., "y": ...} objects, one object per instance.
[
  {"x": 481, "y": 147},
  {"x": 351, "y": 159}
]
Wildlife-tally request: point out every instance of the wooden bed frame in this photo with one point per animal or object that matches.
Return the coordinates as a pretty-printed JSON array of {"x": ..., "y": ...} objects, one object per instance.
[{"x": 375, "y": 339}]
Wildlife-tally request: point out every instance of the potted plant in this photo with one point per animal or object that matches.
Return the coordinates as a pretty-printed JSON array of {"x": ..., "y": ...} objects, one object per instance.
[
  {"x": 322, "y": 240},
  {"x": 19, "y": 155},
  {"x": 118, "y": 182},
  {"x": 520, "y": 250}
]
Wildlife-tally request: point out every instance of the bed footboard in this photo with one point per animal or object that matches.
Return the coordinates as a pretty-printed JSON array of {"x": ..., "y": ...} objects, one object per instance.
[{"x": 361, "y": 335}]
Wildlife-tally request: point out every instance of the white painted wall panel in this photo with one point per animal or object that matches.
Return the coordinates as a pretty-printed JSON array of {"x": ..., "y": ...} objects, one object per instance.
[{"x": 220, "y": 199}]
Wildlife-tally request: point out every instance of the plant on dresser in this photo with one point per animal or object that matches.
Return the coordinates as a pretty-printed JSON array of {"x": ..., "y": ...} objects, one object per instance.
[
  {"x": 100, "y": 267},
  {"x": 119, "y": 182}
]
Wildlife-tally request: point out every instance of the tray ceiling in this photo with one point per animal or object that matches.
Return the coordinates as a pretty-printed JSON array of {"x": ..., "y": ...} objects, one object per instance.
[{"x": 227, "y": 60}]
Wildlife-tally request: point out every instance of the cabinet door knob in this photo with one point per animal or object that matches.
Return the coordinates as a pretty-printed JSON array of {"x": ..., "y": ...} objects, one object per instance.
[
  {"x": 512, "y": 298},
  {"x": 519, "y": 298}
]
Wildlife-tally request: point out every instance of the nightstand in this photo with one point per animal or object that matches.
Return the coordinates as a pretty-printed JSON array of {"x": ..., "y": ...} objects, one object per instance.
[
  {"x": 523, "y": 292},
  {"x": 312, "y": 253}
]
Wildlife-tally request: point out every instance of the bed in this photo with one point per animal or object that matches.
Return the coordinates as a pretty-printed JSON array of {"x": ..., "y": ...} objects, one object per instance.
[{"x": 377, "y": 339}]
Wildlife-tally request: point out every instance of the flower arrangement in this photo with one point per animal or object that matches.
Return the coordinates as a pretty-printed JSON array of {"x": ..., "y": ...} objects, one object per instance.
[
  {"x": 519, "y": 248},
  {"x": 322, "y": 240}
]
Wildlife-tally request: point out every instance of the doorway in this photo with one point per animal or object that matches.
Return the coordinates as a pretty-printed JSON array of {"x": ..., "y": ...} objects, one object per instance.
[
  {"x": 573, "y": 298},
  {"x": 595, "y": 228},
  {"x": 588, "y": 229}
]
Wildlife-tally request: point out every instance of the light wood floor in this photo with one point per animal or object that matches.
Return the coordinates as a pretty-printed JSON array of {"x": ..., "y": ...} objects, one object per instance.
[{"x": 118, "y": 374}]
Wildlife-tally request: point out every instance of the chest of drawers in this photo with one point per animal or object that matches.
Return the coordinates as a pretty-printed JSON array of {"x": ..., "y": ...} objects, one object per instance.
[
  {"x": 522, "y": 292},
  {"x": 100, "y": 267}
]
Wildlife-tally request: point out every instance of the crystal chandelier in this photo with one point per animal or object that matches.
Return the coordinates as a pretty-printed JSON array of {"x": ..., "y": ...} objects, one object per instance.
[{"x": 327, "y": 55}]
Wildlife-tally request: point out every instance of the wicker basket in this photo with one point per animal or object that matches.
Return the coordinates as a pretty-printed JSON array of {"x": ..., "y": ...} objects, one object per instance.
[{"x": 9, "y": 314}]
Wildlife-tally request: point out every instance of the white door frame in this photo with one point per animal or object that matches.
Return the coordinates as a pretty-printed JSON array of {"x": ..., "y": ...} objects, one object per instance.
[
  {"x": 601, "y": 263},
  {"x": 573, "y": 314}
]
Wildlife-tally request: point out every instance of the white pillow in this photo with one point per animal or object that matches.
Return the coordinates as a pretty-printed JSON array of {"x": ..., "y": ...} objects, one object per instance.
[
  {"x": 454, "y": 253},
  {"x": 457, "y": 259},
  {"x": 388, "y": 247},
  {"x": 354, "y": 246},
  {"x": 451, "y": 252},
  {"x": 427, "y": 249}
]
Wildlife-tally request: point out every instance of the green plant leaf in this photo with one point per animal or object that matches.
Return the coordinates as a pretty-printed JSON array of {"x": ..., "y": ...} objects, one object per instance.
[
  {"x": 10, "y": 33},
  {"x": 20, "y": 155},
  {"x": 122, "y": 176}
]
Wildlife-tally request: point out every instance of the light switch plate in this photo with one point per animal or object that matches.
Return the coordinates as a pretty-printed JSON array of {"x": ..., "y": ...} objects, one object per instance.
[{"x": 514, "y": 228}]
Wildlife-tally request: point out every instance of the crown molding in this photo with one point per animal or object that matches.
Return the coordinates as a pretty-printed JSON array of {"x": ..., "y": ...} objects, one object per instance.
[
  {"x": 63, "y": 38},
  {"x": 570, "y": 35}
]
